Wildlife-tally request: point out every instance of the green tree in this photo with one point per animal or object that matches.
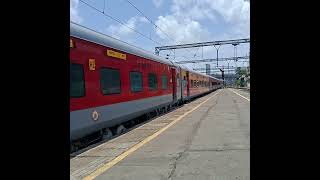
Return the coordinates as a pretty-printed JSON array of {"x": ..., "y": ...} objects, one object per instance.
[
  {"x": 237, "y": 83},
  {"x": 241, "y": 72}
]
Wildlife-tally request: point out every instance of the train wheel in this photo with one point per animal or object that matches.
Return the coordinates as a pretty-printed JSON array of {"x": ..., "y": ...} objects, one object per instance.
[
  {"x": 132, "y": 123},
  {"x": 148, "y": 116},
  {"x": 73, "y": 148},
  {"x": 164, "y": 110},
  {"x": 120, "y": 129},
  {"x": 107, "y": 134},
  {"x": 138, "y": 120}
]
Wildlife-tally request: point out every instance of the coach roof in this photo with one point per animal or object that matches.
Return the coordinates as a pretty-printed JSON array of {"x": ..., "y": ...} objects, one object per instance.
[{"x": 87, "y": 34}]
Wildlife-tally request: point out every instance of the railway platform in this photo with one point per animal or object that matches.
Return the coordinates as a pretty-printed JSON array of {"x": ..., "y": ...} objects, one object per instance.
[{"x": 208, "y": 138}]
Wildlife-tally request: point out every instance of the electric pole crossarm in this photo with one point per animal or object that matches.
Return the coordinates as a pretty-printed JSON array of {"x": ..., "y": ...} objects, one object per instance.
[
  {"x": 210, "y": 60},
  {"x": 211, "y": 43}
]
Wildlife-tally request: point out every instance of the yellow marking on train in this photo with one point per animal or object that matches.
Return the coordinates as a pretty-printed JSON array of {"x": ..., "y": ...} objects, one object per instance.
[
  {"x": 108, "y": 165},
  {"x": 92, "y": 64},
  {"x": 71, "y": 43},
  {"x": 116, "y": 54}
]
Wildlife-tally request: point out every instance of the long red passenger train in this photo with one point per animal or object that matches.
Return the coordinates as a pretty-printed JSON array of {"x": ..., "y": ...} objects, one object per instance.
[{"x": 112, "y": 82}]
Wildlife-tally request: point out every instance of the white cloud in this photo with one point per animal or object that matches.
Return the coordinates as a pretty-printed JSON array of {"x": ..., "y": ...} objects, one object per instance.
[
  {"x": 230, "y": 10},
  {"x": 143, "y": 19},
  {"x": 181, "y": 30},
  {"x": 157, "y": 3},
  {"x": 74, "y": 13},
  {"x": 234, "y": 13},
  {"x": 191, "y": 9},
  {"x": 188, "y": 22},
  {"x": 119, "y": 31}
]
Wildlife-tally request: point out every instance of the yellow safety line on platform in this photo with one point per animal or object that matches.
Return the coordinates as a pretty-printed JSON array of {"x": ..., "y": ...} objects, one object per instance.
[
  {"x": 108, "y": 165},
  {"x": 239, "y": 95}
]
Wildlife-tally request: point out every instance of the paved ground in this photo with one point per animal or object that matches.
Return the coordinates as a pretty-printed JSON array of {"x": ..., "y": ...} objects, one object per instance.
[
  {"x": 212, "y": 142},
  {"x": 243, "y": 92}
]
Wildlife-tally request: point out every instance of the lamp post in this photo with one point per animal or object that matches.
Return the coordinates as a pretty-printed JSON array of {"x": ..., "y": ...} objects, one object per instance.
[
  {"x": 217, "y": 52},
  {"x": 222, "y": 74},
  {"x": 235, "y": 51}
]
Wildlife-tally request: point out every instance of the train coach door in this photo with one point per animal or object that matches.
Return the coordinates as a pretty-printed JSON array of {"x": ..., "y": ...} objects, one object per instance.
[
  {"x": 188, "y": 85},
  {"x": 174, "y": 84}
]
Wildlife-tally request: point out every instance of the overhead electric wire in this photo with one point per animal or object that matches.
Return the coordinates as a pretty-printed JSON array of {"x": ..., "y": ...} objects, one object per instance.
[
  {"x": 154, "y": 24},
  {"x": 118, "y": 21}
]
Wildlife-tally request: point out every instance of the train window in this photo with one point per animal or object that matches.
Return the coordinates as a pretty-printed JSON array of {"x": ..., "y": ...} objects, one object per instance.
[
  {"x": 136, "y": 81},
  {"x": 110, "y": 81},
  {"x": 191, "y": 83},
  {"x": 164, "y": 81},
  {"x": 184, "y": 82},
  {"x": 152, "y": 79},
  {"x": 77, "y": 87}
]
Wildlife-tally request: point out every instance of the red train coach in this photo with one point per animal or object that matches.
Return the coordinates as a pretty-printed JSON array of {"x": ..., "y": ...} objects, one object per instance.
[
  {"x": 197, "y": 84},
  {"x": 112, "y": 82}
]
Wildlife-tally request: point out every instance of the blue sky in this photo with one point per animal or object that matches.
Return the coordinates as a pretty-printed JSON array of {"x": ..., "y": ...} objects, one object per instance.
[{"x": 185, "y": 21}]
